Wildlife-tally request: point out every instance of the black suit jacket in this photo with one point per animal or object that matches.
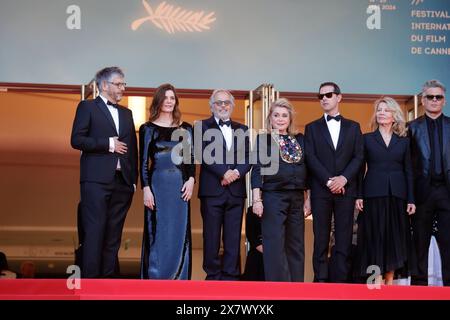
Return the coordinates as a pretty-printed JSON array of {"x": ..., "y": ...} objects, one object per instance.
[
  {"x": 324, "y": 161},
  {"x": 238, "y": 158},
  {"x": 92, "y": 127},
  {"x": 421, "y": 155},
  {"x": 389, "y": 169}
]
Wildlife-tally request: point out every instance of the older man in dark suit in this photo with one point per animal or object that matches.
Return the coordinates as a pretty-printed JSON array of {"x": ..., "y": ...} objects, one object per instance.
[
  {"x": 225, "y": 161},
  {"x": 334, "y": 155},
  {"x": 104, "y": 132},
  {"x": 430, "y": 148}
]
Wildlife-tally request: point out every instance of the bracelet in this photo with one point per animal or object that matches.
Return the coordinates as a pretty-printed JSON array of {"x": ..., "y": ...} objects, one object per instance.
[{"x": 257, "y": 200}]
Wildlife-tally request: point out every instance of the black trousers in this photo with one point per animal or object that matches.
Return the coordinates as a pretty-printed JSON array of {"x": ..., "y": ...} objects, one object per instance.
[
  {"x": 222, "y": 215},
  {"x": 337, "y": 269},
  {"x": 437, "y": 205},
  {"x": 103, "y": 209},
  {"x": 283, "y": 235}
]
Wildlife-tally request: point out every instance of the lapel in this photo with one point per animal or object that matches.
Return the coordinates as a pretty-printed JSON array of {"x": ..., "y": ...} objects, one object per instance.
[
  {"x": 324, "y": 129},
  {"x": 234, "y": 126},
  {"x": 122, "y": 121},
  {"x": 99, "y": 102},
  {"x": 445, "y": 137},
  {"x": 342, "y": 132},
  {"x": 212, "y": 124},
  {"x": 394, "y": 140},
  {"x": 423, "y": 134},
  {"x": 379, "y": 139}
]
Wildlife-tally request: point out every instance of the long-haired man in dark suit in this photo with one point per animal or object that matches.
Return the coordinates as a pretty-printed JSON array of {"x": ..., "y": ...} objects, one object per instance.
[
  {"x": 430, "y": 149},
  {"x": 225, "y": 162},
  {"x": 104, "y": 132},
  {"x": 334, "y": 155}
]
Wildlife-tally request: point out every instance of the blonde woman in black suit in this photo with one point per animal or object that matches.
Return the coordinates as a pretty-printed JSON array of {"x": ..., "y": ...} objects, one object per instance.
[{"x": 386, "y": 197}]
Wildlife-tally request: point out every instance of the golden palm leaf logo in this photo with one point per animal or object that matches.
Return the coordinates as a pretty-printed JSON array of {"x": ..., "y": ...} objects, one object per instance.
[{"x": 171, "y": 19}]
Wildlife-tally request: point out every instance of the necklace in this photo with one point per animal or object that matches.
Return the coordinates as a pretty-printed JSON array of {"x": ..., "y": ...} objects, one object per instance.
[{"x": 290, "y": 150}]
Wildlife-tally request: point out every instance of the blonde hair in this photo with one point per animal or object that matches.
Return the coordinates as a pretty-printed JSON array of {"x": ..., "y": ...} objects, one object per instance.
[
  {"x": 283, "y": 103},
  {"x": 399, "y": 125}
]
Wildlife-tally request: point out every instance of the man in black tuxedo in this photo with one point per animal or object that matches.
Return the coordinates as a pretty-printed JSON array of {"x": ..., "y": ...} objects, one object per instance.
[
  {"x": 224, "y": 163},
  {"x": 430, "y": 149},
  {"x": 334, "y": 154},
  {"x": 104, "y": 132}
]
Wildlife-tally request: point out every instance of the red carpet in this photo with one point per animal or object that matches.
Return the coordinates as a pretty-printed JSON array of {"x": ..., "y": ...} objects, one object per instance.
[{"x": 40, "y": 289}]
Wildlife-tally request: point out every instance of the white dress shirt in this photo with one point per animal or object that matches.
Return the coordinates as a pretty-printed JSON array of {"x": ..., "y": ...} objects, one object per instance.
[
  {"x": 115, "y": 115},
  {"x": 334, "y": 127},
  {"x": 227, "y": 133}
]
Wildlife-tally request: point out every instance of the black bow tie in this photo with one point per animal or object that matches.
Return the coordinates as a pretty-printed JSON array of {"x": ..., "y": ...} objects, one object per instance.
[
  {"x": 337, "y": 118},
  {"x": 109, "y": 103},
  {"x": 227, "y": 123}
]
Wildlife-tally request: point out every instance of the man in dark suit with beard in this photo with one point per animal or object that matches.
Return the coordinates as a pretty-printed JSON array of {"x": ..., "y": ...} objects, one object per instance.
[
  {"x": 430, "y": 149},
  {"x": 104, "y": 132},
  {"x": 224, "y": 163},
  {"x": 334, "y": 155}
]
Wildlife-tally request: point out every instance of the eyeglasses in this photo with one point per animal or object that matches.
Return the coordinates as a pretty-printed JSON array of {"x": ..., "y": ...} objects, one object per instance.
[
  {"x": 118, "y": 84},
  {"x": 328, "y": 95},
  {"x": 431, "y": 97},
  {"x": 225, "y": 103}
]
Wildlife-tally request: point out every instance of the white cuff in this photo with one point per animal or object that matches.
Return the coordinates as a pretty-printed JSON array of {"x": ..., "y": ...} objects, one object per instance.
[{"x": 111, "y": 145}]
